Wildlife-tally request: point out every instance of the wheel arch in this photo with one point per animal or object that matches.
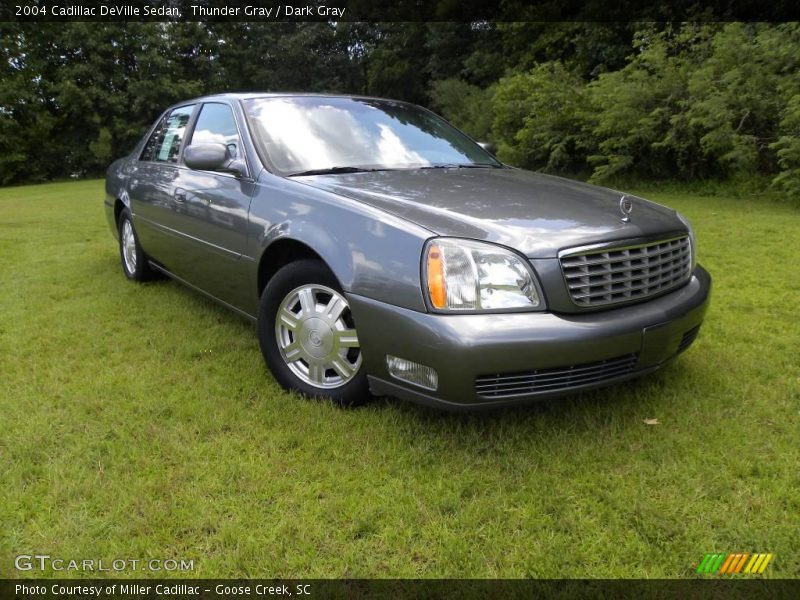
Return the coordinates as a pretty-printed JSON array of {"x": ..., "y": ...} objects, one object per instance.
[
  {"x": 121, "y": 202},
  {"x": 119, "y": 206},
  {"x": 283, "y": 251}
]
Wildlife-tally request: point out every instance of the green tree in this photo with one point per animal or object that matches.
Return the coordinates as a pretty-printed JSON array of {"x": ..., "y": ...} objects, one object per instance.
[
  {"x": 397, "y": 65},
  {"x": 541, "y": 119},
  {"x": 640, "y": 125},
  {"x": 465, "y": 105}
]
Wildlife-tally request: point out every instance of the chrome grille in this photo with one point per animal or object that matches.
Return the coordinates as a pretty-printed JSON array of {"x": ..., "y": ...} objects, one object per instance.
[
  {"x": 554, "y": 379},
  {"x": 617, "y": 275}
]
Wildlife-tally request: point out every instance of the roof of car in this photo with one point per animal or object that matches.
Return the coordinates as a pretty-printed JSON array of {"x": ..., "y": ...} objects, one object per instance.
[{"x": 251, "y": 95}]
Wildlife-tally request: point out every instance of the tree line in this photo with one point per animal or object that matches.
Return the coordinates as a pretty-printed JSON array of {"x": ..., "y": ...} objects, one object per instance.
[{"x": 680, "y": 101}]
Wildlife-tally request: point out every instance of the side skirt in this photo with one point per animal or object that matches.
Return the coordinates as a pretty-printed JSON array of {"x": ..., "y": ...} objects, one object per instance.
[{"x": 171, "y": 275}]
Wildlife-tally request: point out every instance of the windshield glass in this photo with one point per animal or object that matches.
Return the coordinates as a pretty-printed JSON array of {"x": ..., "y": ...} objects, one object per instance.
[{"x": 309, "y": 133}]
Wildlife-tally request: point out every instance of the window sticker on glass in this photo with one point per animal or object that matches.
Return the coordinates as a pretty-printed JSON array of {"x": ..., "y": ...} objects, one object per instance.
[
  {"x": 166, "y": 148},
  {"x": 173, "y": 136}
]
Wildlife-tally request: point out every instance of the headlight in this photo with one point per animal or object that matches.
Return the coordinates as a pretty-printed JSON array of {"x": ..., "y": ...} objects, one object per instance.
[
  {"x": 463, "y": 275},
  {"x": 692, "y": 239}
]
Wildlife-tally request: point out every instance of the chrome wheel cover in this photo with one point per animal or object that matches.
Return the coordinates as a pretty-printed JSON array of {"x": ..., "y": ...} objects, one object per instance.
[
  {"x": 316, "y": 337},
  {"x": 128, "y": 246}
]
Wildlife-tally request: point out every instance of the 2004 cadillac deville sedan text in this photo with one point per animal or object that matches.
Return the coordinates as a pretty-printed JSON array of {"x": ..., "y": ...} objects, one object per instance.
[{"x": 381, "y": 250}]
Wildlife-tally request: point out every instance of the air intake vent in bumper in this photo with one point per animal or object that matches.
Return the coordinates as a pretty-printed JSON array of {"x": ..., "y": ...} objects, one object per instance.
[
  {"x": 688, "y": 338},
  {"x": 554, "y": 379}
]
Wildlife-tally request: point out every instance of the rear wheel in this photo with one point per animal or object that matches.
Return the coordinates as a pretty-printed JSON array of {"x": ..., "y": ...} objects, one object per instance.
[
  {"x": 308, "y": 337},
  {"x": 133, "y": 259}
]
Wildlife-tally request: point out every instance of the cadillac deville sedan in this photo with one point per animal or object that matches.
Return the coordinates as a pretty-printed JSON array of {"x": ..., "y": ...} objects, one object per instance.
[{"x": 379, "y": 250}]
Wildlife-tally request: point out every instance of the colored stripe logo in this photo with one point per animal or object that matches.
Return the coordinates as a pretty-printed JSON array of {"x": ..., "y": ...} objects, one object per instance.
[{"x": 736, "y": 562}]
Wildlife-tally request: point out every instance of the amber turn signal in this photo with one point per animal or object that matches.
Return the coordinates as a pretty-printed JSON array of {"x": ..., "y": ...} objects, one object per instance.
[{"x": 436, "y": 284}]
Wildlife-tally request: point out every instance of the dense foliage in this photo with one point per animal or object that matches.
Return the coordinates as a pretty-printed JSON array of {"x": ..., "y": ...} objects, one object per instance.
[
  {"x": 674, "y": 101},
  {"x": 711, "y": 101}
]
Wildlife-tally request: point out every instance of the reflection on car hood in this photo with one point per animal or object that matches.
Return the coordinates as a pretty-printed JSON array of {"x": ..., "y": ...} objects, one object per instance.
[{"x": 534, "y": 213}]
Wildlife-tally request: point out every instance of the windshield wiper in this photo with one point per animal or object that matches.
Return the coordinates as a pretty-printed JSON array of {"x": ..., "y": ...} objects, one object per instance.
[
  {"x": 463, "y": 166},
  {"x": 335, "y": 170},
  {"x": 339, "y": 170}
]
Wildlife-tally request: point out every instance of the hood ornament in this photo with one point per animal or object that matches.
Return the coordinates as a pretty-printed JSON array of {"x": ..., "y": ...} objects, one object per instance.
[{"x": 625, "y": 207}]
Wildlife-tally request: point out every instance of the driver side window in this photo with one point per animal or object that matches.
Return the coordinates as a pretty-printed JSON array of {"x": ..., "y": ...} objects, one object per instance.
[{"x": 217, "y": 124}]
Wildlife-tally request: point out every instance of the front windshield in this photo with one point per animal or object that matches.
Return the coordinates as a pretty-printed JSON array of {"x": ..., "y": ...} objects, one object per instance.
[{"x": 310, "y": 133}]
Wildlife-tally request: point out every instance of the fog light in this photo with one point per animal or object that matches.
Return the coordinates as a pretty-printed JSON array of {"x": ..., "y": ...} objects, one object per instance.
[{"x": 411, "y": 372}]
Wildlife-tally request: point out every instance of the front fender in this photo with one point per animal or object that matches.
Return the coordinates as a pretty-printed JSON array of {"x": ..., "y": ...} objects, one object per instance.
[{"x": 371, "y": 253}]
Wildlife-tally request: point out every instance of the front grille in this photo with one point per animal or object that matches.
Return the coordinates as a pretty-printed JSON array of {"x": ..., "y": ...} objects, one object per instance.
[
  {"x": 688, "y": 338},
  {"x": 617, "y": 275},
  {"x": 553, "y": 379}
]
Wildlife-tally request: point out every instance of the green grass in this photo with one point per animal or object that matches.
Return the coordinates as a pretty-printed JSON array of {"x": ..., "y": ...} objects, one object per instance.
[{"x": 139, "y": 421}]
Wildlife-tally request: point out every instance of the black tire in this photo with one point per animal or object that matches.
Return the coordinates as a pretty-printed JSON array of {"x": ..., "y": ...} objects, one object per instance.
[
  {"x": 311, "y": 275},
  {"x": 135, "y": 266}
]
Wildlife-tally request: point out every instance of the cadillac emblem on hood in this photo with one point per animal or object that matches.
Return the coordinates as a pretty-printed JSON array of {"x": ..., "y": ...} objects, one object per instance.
[{"x": 625, "y": 207}]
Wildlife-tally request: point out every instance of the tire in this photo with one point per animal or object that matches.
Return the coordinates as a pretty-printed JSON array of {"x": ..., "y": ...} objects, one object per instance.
[
  {"x": 308, "y": 337},
  {"x": 133, "y": 259}
]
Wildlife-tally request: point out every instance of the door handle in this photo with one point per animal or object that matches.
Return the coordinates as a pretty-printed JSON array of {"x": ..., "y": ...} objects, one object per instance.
[{"x": 180, "y": 195}]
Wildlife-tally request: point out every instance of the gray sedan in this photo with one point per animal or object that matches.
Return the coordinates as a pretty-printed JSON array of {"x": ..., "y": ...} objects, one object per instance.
[{"x": 379, "y": 250}]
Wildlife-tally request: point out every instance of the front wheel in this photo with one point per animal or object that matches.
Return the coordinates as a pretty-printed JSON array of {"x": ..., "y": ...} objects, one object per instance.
[{"x": 308, "y": 337}]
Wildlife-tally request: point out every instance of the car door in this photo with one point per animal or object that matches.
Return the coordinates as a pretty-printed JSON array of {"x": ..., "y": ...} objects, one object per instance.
[
  {"x": 212, "y": 211},
  {"x": 153, "y": 184}
]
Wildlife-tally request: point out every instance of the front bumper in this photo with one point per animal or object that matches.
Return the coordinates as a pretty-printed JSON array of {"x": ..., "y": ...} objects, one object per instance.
[{"x": 526, "y": 347}]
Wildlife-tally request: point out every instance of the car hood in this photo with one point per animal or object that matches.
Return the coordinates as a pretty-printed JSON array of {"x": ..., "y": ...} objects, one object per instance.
[{"x": 534, "y": 213}]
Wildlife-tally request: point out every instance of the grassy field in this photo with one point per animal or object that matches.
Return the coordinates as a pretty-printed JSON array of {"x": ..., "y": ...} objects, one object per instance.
[{"x": 139, "y": 421}]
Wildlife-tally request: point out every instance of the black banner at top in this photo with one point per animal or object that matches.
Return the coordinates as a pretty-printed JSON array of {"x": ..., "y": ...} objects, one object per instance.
[{"x": 399, "y": 10}]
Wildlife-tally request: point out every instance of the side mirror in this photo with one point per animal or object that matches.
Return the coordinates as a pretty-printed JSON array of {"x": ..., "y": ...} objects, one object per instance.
[
  {"x": 213, "y": 156},
  {"x": 206, "y": 157},
  {"x": 488, "y": 146}
]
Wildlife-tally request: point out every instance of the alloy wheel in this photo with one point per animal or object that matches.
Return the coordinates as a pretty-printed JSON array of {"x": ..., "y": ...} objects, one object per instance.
[
  {"x": 128, "y": 246},
  {"x": 316, "y": 336}
]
